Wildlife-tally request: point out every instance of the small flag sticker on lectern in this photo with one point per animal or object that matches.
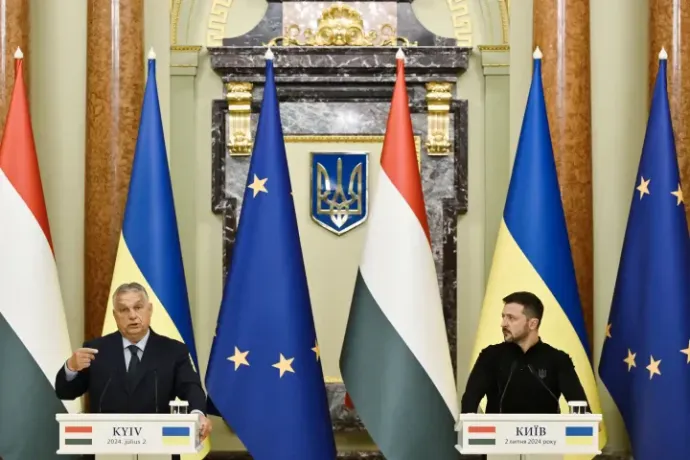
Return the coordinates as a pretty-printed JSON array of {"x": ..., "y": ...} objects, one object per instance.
[
  {"x": 175, "y": 435},
  {"x": 579, "y": 435},
  {"x": 78, "y": 435},
  {"x": 481, "y": 435}
]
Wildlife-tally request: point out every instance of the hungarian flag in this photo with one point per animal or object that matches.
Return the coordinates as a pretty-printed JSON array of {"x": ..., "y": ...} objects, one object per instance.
[
  {"x": 33, "y": 330},
  {"x": 395, "y": 360}
]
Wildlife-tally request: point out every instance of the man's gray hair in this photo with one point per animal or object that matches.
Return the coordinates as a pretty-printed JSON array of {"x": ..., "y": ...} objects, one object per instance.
[{"x": 130, "y": 287}]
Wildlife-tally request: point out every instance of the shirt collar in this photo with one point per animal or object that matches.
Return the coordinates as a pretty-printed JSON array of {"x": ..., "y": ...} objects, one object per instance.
[
  {"x": 537, "y": 345},
  {"x": 141, "y": 344}
]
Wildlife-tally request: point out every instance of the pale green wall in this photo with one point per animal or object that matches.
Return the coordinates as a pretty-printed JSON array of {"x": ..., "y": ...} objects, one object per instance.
[
  {"x": 57, "y": 64},
  {"x": 619, "y": 117},
  {"x": 157, "y": 37},
  {"x": 496, "y": 96}
]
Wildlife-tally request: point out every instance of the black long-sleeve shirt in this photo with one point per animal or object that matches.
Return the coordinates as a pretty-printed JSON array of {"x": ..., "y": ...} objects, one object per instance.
[{"x": 516, "y": 382}]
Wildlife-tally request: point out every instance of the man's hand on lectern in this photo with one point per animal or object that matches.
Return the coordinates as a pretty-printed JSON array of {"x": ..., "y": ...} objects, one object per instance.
[
  {"x": 81, "y": 359},
  {"x": 205, "y": 428}
]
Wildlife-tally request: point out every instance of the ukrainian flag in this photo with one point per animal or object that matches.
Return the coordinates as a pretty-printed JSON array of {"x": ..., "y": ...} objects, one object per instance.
[
  {"x": 149, "y": 249},
  {"x": 533, "y": 252}
]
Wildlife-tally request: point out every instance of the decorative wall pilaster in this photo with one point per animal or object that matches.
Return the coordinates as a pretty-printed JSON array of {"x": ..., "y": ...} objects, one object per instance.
[
  {"x": 184, "y": 61},
  {"x": 497, "y": 155}
]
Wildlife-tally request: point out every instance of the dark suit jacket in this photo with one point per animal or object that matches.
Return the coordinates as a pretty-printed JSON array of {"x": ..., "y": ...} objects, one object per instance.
[{"x": 165, "y": 372}]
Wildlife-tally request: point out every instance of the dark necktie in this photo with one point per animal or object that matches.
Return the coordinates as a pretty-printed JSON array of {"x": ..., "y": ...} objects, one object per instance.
[{"x": 133, "y": 362}]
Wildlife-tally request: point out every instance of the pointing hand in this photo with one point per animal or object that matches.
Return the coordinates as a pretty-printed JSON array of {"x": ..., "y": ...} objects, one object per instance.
[{"x": 81, "y": 359}]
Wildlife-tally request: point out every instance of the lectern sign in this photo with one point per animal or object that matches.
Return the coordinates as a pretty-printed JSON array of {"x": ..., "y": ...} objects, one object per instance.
[
  {"x": 529, "y": 434},
  {"x": 128, "y": 433}
]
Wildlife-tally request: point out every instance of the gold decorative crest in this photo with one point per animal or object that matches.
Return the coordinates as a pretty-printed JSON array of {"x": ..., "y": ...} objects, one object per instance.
[{"x": 340, "y": 25}]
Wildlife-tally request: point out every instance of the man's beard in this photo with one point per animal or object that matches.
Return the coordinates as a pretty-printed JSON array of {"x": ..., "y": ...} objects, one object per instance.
[{"x": 516, "y": 338}]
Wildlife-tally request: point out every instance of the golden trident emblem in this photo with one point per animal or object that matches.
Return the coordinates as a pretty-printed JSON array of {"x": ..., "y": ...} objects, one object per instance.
[{"x": 332, "y": 200}]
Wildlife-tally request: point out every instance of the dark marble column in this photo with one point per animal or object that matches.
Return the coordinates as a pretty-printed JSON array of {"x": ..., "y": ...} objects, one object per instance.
[
  {"x": 115, "y": 87},
  {"x": 561, "y": 30},
  {"x": 669, "y": 27},
  {"x": 14, "y": 32}
]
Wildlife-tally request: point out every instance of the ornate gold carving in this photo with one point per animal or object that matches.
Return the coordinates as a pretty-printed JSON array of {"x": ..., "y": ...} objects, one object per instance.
[
  {"x": 351, "y": 138},
  {"x": 394, "y": 42},
  {"x": 185, "y": 48},
  {"x": 494, "y": 48},
  {"x": 462, "y": 21},
  {"x": 239, "y": 97},
  {"x": 504, "y": 5},
  {"x": 319, "y": 138},
  {"x": 438, "y": 97},
  {"x": 216, "y": 22},
  {"x": 340, "y": 25},
  {"x": 292, "y": 32},
  {"x": 174, "y": 20}
]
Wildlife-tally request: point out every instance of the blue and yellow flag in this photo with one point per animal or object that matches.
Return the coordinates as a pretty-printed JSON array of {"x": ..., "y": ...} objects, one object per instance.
[
  {"x": 149, "y": 249},
  {"x": 645, "y": 361},
  {"x": 533, "y": 252},
  {"x": 264, "y": 375}
]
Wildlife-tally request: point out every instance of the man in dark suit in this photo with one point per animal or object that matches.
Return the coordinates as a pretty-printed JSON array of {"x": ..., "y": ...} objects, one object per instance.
[{"x": 133, "y": 370}]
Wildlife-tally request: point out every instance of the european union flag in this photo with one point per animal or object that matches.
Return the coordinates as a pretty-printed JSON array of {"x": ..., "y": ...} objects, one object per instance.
[
  {"x": 645, "y": 362},
  {"x": 264, "y": 375}
]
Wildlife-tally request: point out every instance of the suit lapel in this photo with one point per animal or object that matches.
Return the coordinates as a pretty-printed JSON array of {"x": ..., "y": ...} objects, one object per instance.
[{"x": 118, "y": 357}]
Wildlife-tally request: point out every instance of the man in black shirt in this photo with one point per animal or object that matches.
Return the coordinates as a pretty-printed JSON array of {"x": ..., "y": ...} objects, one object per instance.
[{"x": 522, "y": 375}]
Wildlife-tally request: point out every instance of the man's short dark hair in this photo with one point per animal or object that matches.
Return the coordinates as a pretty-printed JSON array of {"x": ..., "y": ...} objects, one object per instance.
[{"x": 533, "y": 308}]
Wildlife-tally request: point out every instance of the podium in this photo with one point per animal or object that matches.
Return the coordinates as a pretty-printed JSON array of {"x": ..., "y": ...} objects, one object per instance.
[
  {"x": 127, "y": 436},
  {"x": 516, "y": 435}
]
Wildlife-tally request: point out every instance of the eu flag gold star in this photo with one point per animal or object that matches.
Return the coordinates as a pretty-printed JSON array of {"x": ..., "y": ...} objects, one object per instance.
[
  {"x": 679, "y": 195},
  {"x": 653, "y": 367},
  {"x": 285, "y": 365},
  {"x": 643, "y": 188},
  {"x": 316, "y": 350},
  {"x": 259, "y": 185},
  {"x": 239, "y": 358},
  {"x": 608, "y": 331},
  {"x": 686, "y": 351},
  {"x": 630, "y": 360}
]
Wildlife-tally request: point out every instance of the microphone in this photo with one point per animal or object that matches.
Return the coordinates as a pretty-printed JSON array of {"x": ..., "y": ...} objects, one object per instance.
[
  {"x": 105, "y": 389},
  {"x": 155, "y": 387},
  {"x": 503, "y": 395},
  {"x": 531, "y": 371}
]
